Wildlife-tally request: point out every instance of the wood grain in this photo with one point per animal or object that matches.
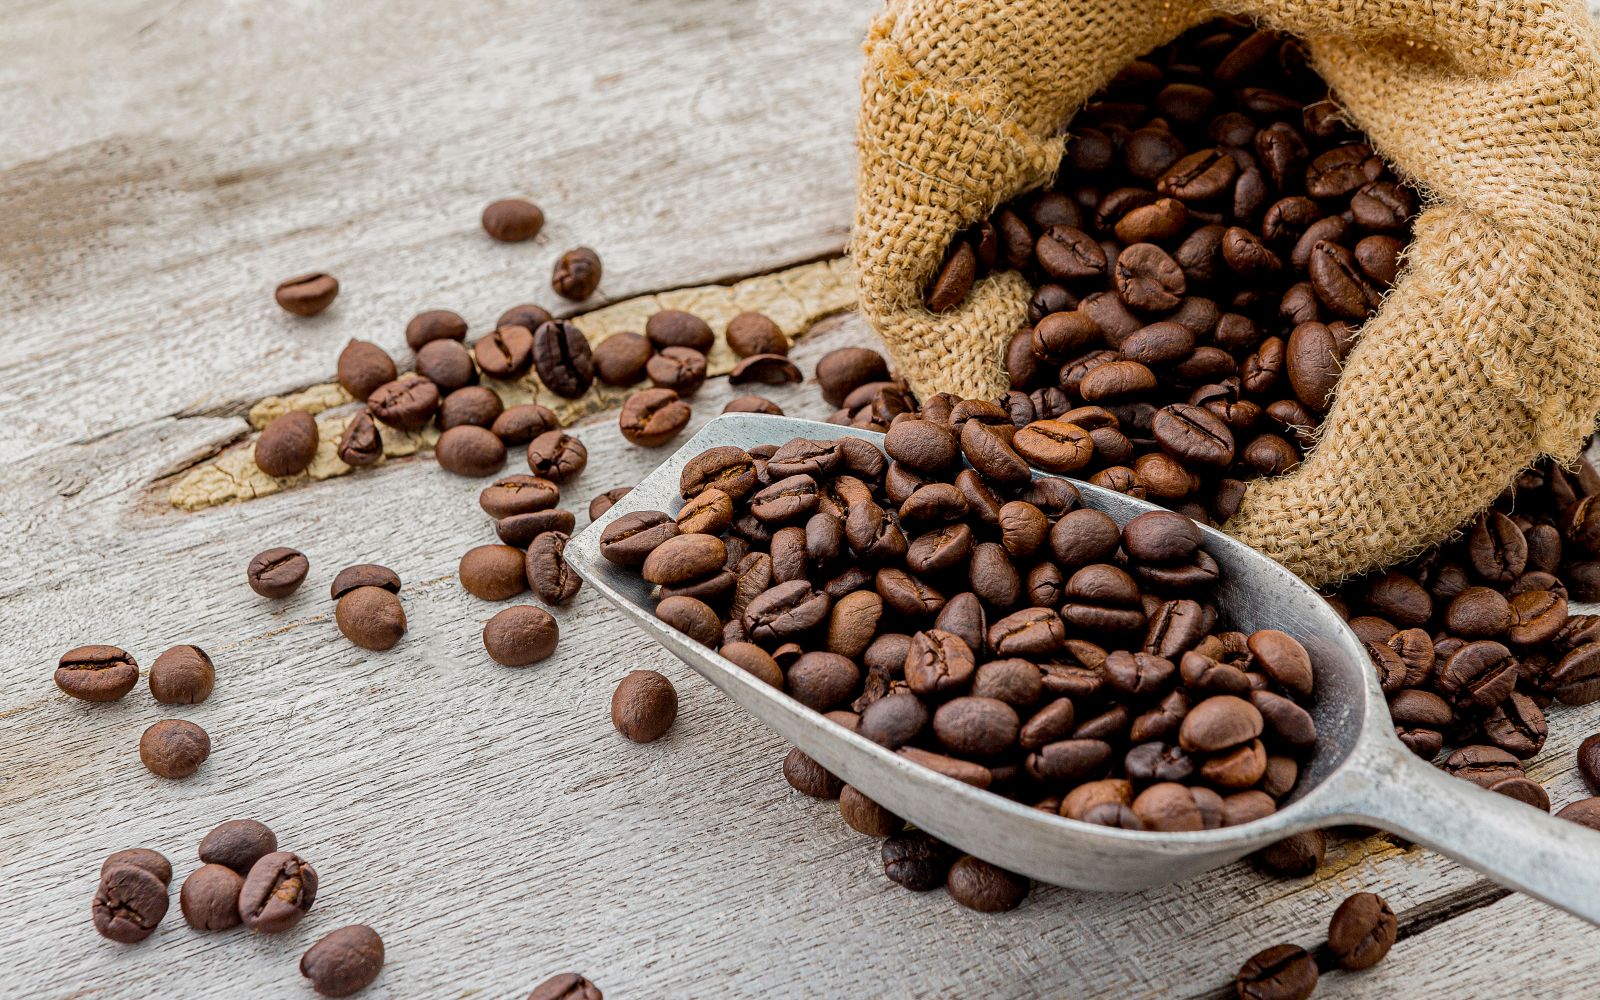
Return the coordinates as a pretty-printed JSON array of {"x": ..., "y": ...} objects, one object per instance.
[{"x": 168, "y": 162}]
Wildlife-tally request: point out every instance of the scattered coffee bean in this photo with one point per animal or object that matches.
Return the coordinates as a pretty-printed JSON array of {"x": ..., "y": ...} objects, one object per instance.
[
  {"x": 520, "y": 636},
  {"x": 347, "y": 960},
  {"x": 842, "y": 371},
  {"x": 917, "y": 861},
  {"x": 987, "y": 888},
  {"x": 277, "y": 892},
  {"x": 620, "y": 359},
  {"x": 605, "y": 501},
  {"x": 767, "y": 369},
  {"x": 96, "y": 673},
  {"x": 364, "y": 575},
  {"x": 521, "y": 529},
  {"x": 576, "y": 274},
  {"x": 174, "y": 748},
  {"x": 644, "y": 706},
  {"x": 473, "y": 405},
  {"x": 493, "y": 572},
  {"x": 237, "y": 844},
  {"x": 447, "y": 364},
  {"x": 363, "y": 366},
  {"x": 129, "y": 903},
  {"x": 556, "y": 456},
  {"x": 1583, "y": 811},
  {"x": 406, "y": 404},
  {"x": 522, "y": 423},
  {"x": 681, "y": 369},
  {"x": 752, "y": 404},
  {"x": 1589, "y": 762},
  {"x": 183, "y": 675},
  {"x": 566, "y": 986},
  {"x": 153, "y": 862},
  {"x": 209, "y": 898},
  {"x": 676, "y": 328},
  {"x": 652, "y": 417},
  {"x": 518, "y": 494},
  {"x": 1282, "y": 972},
  {"x": 1362, "y": 931},
  {"x": 287, "y": 445},
  {"x": 505, "y": 354},
  {"x": 371, "y": 617},
  {"x": 437, "y": 324},
  {"x": 361, "y": 444},
  {"x": 509, "y": 220},
  {"x": 808, "y": 777},
  {"x": 751, "y": 333},
  {"x": 546, "y": 568},
  {"x": 862, "y": 814},
  {"x": 468, "y": 450},
  {"x": 528, "y": 316},
  {"x": 307, "y": 294}
]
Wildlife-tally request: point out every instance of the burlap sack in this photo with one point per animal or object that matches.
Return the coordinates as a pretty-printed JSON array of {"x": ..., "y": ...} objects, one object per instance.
[{"x": 1486, "y": 354}]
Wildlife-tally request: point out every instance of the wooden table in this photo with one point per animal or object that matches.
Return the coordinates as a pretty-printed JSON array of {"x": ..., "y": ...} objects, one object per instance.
[{"x": 168, "y": 161}]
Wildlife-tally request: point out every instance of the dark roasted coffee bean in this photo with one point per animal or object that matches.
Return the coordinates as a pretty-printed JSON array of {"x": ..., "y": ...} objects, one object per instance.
[
  {"x": 520, "y": 636},
  {"x": 652, "y": 417},
  {"x": 576, "y": 274},
  {"x": 766, "y": 369},
  {"x": 507, "y": 353},
  {"x": 174, "y": 748},
  {"x": 1589, "y": 762},
  {"x": 954, "y": 280},
  {"x": 209, "y": 898},
  {"x": 436, "y": 324},
  {"x": 557, "y": 456},
  {"x": 1282, "y": 972},
  {"x": 727, "y": 468},
  {"x": 990, "y": 453},
  {"x": 363, "y": 366},
  {"x": 681, "y": 369},
  {"x": 477, "y": 405},
  {"x": 630, "y": 539},
  {"x": 277, "y": 892},
  {"x": 676, "y": 328},
  {"x": 1296, "y": 856},
  {"x": 372, "y": 617},
  {"x": 509, "y": 220},
  {"x": 822, "y": 681},
  {"x": 547, "y": 571},
  {"x": 916, "y": 860},
  {"x": 237, "y": 844},
  {"x": 287, "y": 445},
  {"x": 153, "y": 862},
  {"x": 129, "y": 903},
  {"x": 562, "y": 358},
  {"x": 447, "y": 364},
  {"x": 1584, "y": 811},
  {"x": 841, "y": 371},
  {"x": 566, "y": 986},
  {"x": 183, "y": 675},
  {"x": 307, "y": 294},
  {"x": 361, "y": 444},
  {"x": 364, "y": 575},
  {"x": 751, "y": 333},
  {"x": 810, "y": 778},
  {"x": 1361, "y": 931},
  {"x": 521, "y": 529},
  {"x": 406, "y": 404},
  {"x": 345, "y": 961},
  {"x": 469, "y": 450},
  {"x": 620, "y": 359},
  {"x": 644, "y": 706},
  {"x": 274, "y": 573},
  {"x": 752, "y": 404}
]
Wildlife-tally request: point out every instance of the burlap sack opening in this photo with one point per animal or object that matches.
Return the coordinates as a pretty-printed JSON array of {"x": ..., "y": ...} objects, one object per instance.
[{"x": 1485, "y": 356}]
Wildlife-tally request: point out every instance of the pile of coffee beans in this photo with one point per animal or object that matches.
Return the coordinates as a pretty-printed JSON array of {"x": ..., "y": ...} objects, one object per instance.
[
  {"x": 1360, "y": 934},
  {"x": 1212, "y": 242},
  {"x": 982, "y": 623},
  {"x": 243, "y": 879}
]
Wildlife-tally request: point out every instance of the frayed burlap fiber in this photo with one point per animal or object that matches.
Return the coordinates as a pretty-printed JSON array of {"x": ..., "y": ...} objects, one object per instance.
[{"x": 1486, "y": 354}]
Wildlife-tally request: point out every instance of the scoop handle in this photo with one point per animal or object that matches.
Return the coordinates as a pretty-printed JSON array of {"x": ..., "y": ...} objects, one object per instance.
[{"x": 1515, "y": 844}]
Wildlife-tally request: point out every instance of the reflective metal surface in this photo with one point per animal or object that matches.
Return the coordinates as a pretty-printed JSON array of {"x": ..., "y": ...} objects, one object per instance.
[{"x": 1360, "y": 772}]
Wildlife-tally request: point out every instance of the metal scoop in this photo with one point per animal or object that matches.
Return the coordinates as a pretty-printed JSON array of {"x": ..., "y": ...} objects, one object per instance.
[{"x": 1360, "y": 772}]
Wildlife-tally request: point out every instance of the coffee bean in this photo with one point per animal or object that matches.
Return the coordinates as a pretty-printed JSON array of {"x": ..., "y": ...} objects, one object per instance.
[
  {"x": 436, "y": 324},
  {"x": 841, "y": 371},
  {"x": 174, "y": 748},
  {"x": 363, "y": 366},
  {"x": 752, "y": 404},
  {"x": 976, "y": 727},
  {"x": 954, "y": 280},
  {"x": 361, "y": 444},
  {"x": 980, "y": 886},
  {"x": 372, "y": 618},
  {"x": 518, "y": 494},
  {"x": 630, "y": 539},
  {"x": 521, "y": 529},
  {"x": 528, "y": 316},
  {"x": 287, "y": 445},
  {"x": 556, "y": 456},
  {"x": 644, "y": 706},
  {"x": 676, "y": 328},
  {"x": 507, "y": 353},
  {"x": 520, "y": 636},
  {"x": 345, "y": 961},
  {"x": 96, "y": 673},
  {"x": 1298, "y": 855},
  {"x": 916, "y": 860},
  {"x": 1218, "y": 723},
  {"x": 681, "y": 369},
  {"x": 751, "y": 333},
  {"x": 183, "y": 675},
  {"x": 766, "y": 369},
  {"x": 307, "y": 294},
  {"x": 1282, "y": 972},
  {"x": 493, "y": 572},
  {"x": 406, "y": 404},
  {"x": 1585, "y": 812},
  {"x": 620, "y": 359},
  {"x": 810, "y": 778},
  {"x": 727, "y": 468},
  {"x": 468, "y": 450},
  {"x": 509, "y": 220},
  {"x": 605, "y": 501},
  {"x": 474, "y": 405},
  {"x": 693, "y": 617},
  {"x": 1589, "y": 762},
  {"x": 447, "y": 364},
  {"x": 562, "y": 358},
  {"x": 237, "y": 844},
  {"x": 129, "y": 903},
  {"x": 547, "y": 571},
  {"x": 576, "y": 274},
  {"x": 566, "y": 986},
  {"x": 364, "y": 575},
  {"x": 1362, "y": 931},
  {"x": 209, "y": 898},
  {"x": 277, "y": 892},
  {"x": 139, "y": 857}
]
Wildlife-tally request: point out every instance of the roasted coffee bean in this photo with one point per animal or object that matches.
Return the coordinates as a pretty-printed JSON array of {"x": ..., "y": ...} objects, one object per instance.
[
  {"x": 1295, "y": 856},
  {"x": 810, "y": 778},
  {"x": 1585, "y": 812},
  {"x": 727, "y": 468},
  {"x": 174, "y": 748},
  {"x": 630, "y": 539},
  {"x": 681, "y": 369},
  {"x": 547, "y": 571},
  {"x": 307, "y": 294},
  {"x": 520, "y": 636},
  {"x": 822, "y": 681},
  {"x": 372, "y": 618},
  {"x": 507, "y": 353},
  {"x": 676, "y": 328},
  {"x": 841, "y": 371},
  {"x": 1220, "y": 722},
  {"x": 364, "y": 575},
  {"x": 916, "y": 860},
  {"x": 576, "y": 274},
  {"x": 693, "y": 617},
  {"x": 562, "y": 358},
  {"x": 751, "y": 333},
  {"x": 277, "y": 892},
  {"x": 492, "y": 572},
  {"x": 1481, "y": 673},
  {"x": 524, "y": 422},
  {"x": 470, "y": 450},
  {"x": 345, "y": 961},
  {"x": 683, "y": 557},
  {"x": 153, "y": 862},
  {"x": 509, "y": 220},
  {"x": 980, "y": 886},
  {"x": 566, "y": 986},
  {"x": 1589, "y": 762},
  {"x": 1282, "y": 972},
  {"x": 287, "y": 445},
  {"x": 363, "y": 366},
  {"x": 620, "y": 359},
  {"x": 752, "y": 404},
  {"x": 1484, "y": 766},
  {"x": 1193, "y": 435},
  {"x": 129, "y": 903},
  {"x": 766, "y": 369},
  {"x": 361, "y": 444},
  {"x": 237, "y": 844},
  {"x": 653, "y": 417},
  {"x": 605, "y": 501},
  {"x": 96, "y": 673},
  {"x": 644, "y": 706},
  {"x": 436, "y": 324},
  {"x": 954, "y": 280},
  {"x": 183, "y": 675},
  {"x": 1362, "y": 931},
  {"x": 990, "y": 453},
  {"x": 557, "y": 456},
  {"x": 406, "y": 404},
  {"x": 209, "y": 898},
  {"x": 521, "y": 529},
  {"x": 865, "y": 816},
  {"x": 447, "y": 364}
]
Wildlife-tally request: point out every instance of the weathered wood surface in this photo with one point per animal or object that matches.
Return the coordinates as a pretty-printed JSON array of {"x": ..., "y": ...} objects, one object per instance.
[{"x": 488, "y": 821}]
